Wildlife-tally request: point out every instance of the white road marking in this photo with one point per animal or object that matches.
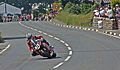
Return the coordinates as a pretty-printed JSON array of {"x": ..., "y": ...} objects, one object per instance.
[
  {"x": 88, "y": 28},
  {"x": 66, "y": 44},
  {"x": 35, "y": 29},
  {"x": 92, "y": 29},
  {"x": 63, "y": 25},
  {"x": 67, "y": 58},
  {"x": 106, "y": 32},
  {"x": 56, "y": 38},
  {"x": 111, "y": 33},
  {"x": 62, "y": 41},
  {"x": 96, "y": 30},
  {"x": 32, "y": 28},
  {"x": 5, "y": 49},
  {"x": 85, "y": 28},
  {"x": 76, "y": 27},
  {"x": 58, "y": 65},
  {"x": 40, "y": 31},
  {"x": 115, "y": 33},
  {"x": 70, "y": 52},
  {"x": 69, "y": 26},
  {"x": 69, "y": 48},
  {"x": 28, "y": 27},
  {"x": 50, "y": 35},
  {"x": 80, "y": 27},
  {"x": 58, "y": 24},
  {"x": 72, "y": 26},
  {"x": 45, "y": 33}
]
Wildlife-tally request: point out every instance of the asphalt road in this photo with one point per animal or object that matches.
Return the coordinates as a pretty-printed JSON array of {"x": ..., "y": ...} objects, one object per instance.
[{"x": 91, "y": 50}]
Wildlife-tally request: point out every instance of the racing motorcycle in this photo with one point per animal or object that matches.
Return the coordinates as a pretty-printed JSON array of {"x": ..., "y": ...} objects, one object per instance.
[{"x": 43, "y": 49}]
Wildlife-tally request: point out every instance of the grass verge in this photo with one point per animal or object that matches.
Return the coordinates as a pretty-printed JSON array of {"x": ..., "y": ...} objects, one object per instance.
[
  {"x": 76, "y": 20},
  {"x": 1, "y": 40}
]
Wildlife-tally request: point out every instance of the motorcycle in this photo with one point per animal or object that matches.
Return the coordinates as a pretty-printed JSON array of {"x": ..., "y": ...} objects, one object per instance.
[{"x": 44, "y": 50}]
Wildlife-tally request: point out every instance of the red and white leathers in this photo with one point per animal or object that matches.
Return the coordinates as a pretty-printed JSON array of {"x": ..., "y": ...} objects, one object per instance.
[{"x": 35, "y": 37}]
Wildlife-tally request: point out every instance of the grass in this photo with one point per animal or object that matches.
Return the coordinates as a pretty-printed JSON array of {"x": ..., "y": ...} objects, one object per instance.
[
  {"x": 1, "y": 40},
  {"x": 76, "y": 20}
]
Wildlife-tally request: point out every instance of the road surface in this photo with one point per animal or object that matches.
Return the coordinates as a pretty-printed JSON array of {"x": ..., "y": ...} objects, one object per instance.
[{"x": 91, "y": 50}]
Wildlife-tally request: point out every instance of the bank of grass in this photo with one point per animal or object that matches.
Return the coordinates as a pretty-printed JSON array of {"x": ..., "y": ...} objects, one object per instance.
[
  {"x": 84, "y": 20},
  {"x": 1, "y": 40}
]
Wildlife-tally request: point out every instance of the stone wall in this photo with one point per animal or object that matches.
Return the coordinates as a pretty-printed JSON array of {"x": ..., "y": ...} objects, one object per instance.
[
  {"x": 119, "y": 24},
  {"x": 108, "y": 24}
]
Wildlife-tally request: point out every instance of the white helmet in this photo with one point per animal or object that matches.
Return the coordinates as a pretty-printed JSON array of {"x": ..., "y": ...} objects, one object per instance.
[{"x": 29, "y": 36}]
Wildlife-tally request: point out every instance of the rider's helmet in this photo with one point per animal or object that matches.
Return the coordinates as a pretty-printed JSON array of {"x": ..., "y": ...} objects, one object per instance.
[{"x": 29, "y": 36}]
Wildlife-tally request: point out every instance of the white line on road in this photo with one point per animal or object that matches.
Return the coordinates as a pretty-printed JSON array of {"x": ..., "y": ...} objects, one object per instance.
[
  {"x": 92, "y": 29},
  {"x": 62, "y": 41},
  {"x": 45, "y": 33},
  {"x": 115, "y": 33},
  {"x": 50, "y": 35},
  {"x": 70, "y": 52},
  {"x": 96, "y": 30},
  {"x": 5, "y": 49},
  {"x": 40, "y": 31},
  {"x": 109, "y": 35},
  {"x": 88, "y": 28},
  {"x": 80, "y": 27},
  {"x": 69, "y": 48},
  {"x": 67, "y": 58},
  {"x": 58, "y": 65},
  {"x": 56, "y": 38},
  {"x": 66, "y": 44}
]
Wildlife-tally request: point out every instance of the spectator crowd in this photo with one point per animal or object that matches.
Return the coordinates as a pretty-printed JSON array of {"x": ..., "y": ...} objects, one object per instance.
[{"x": 106, "y": 11}]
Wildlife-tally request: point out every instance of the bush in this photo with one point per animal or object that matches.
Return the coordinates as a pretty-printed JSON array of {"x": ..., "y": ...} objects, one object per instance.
[
  {"x": 75, "y": 10},
  {"x": 85, "y": 7},
  {"x": 92, "y": 8},
  {"x": 1, "y": 40},
  {"x": 68, "y": 6}
]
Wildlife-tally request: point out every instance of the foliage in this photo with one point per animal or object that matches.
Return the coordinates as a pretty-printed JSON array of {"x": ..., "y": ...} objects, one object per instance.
[
  {"x": 92, "y": 8},
  {"x": 1, "y": 40},
  {"x": 113, "y": 3},
  {"x": 75, "y": 10},
  {"x": 85, "y": 7},
  {"x": 68, "y": 5},
  {"x": 64, "y": 2}
]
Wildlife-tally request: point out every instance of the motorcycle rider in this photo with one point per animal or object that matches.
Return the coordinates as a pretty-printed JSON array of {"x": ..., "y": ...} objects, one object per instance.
[{"x": 31, "y": 38}]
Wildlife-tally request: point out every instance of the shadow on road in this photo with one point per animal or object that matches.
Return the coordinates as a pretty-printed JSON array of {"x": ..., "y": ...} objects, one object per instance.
[
  {"x": 13, "y": 38},
  {"x": 45, "y": 58}
]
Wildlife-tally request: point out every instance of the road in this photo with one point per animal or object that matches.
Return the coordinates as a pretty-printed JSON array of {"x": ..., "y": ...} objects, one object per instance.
[{"x": 91, "y": 50}]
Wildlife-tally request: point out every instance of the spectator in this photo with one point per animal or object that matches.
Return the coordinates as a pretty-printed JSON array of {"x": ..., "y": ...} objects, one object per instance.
[
  {"x": 109, "y": 7},
  {"x": 109, "y": 13},
  {"x": 102, "y": 3}
]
